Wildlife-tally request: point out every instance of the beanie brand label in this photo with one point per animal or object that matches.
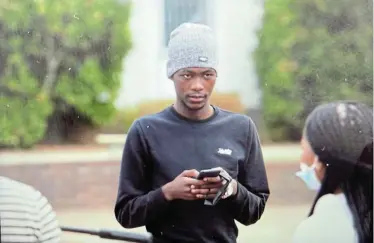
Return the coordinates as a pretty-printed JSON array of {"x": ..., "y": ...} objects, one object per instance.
[{"x": 203, "y": 59}]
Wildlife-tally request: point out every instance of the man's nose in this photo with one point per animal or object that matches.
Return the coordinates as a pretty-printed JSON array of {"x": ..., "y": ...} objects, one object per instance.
[{"x": 197, "y": 84}]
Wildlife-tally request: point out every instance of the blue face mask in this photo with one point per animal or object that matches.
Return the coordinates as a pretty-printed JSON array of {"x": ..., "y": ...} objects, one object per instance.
[{"x": 308, "y": 175}]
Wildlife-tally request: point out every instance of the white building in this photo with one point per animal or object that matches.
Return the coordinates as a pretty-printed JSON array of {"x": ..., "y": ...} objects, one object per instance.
[{"x": 235, "y": 23}]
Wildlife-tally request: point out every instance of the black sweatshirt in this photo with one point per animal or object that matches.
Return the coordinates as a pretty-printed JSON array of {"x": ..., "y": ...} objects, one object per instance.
[{"x": 160, "y": 146}]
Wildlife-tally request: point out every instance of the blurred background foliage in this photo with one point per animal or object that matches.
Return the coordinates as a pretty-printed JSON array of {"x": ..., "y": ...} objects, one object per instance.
[
  {"x": 312, "y": 52},
  {"x": 61, "y": 63},
  {"x": 60, "y": 66},
  {"x": 125, "y": 117}
]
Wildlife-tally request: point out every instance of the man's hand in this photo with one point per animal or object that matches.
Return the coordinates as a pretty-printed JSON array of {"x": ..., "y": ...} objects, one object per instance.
[
  {"x": 181, "y": 186},
  {"x": 212, "y": 185},
  {"x": 209, "y": 189}
]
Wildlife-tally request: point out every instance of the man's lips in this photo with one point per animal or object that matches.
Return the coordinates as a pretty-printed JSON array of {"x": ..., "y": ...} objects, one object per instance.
[{"x": 196, "y": 98}]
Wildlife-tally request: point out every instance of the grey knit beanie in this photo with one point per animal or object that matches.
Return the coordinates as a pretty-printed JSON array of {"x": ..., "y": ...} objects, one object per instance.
[{"x": 191, "y": 45}]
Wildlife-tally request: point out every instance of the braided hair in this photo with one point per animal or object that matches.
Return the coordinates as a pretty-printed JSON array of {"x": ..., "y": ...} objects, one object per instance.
[{"x": 341, "y": 135}]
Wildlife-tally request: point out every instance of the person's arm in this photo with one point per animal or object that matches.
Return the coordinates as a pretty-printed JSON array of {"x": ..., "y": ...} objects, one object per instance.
[
  {"x": 248, "y": 204},
  {"x": 137, "y": 204},
  {"x": 49, "y": 230}
]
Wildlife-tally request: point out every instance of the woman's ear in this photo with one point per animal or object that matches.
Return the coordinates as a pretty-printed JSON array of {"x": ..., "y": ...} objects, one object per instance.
[{"x": 320, "y": 169}]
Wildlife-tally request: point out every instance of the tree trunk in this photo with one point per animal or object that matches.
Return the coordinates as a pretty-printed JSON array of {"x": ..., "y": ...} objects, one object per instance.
[{"x": 56, "y": 131}]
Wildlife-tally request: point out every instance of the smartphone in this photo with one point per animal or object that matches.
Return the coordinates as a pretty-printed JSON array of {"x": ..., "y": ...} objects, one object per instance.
[{"x": 208, "y": 173}]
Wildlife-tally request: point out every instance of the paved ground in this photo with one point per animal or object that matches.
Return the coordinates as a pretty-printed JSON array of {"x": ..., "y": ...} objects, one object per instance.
[
  {"x": 276, "y": 225},
  {"x": 272, "y": 154}
]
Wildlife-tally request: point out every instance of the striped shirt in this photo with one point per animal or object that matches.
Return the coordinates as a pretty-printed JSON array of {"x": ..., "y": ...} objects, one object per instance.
[{"x": 26, "y": 215}]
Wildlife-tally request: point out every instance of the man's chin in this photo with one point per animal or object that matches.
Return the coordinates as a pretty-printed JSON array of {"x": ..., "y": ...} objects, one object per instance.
[{"x": 195, "y": 106}]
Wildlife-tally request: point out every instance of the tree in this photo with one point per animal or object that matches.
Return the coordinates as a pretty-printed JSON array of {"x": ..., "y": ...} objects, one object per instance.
[
  {"x": 313, "y": 52},
  {"x": 60, "y": 63}
]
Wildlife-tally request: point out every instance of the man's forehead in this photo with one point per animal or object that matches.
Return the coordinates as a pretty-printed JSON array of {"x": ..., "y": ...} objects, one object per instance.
[{"x": 196, "y": 70}]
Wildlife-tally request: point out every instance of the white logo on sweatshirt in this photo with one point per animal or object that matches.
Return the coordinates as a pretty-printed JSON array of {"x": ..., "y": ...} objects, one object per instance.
[{"x": 224, "y": 151}]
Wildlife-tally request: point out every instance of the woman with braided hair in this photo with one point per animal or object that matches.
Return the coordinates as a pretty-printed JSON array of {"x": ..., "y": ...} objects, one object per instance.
[{"x": 337, "y": 161}]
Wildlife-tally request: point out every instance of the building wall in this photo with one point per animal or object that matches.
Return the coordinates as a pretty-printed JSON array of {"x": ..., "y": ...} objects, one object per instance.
[
  {"x": 94, "y": 185},
  {"x": 141, "y": 66},
  {"x": 235, "y": 24}
]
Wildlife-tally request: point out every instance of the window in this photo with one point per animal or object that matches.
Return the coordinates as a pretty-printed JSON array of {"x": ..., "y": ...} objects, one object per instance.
[{"x": 177, "y": 12}]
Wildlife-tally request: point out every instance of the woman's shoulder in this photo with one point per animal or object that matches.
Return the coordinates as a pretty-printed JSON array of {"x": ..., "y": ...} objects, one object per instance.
[
  {"x": 329, "y": 223},
  {"x": 329, "y": 204}
]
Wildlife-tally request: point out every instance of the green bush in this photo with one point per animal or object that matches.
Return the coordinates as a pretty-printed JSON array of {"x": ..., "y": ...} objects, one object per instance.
[
  {"x": 122, "y": 121},
  {"x": 124, "y": 118},
  {"x": 312, "y": 52},
  {"x": 23, "y": 121},
  {"x": 68, "y": 52},
  {"x": 227, "y": 101}
]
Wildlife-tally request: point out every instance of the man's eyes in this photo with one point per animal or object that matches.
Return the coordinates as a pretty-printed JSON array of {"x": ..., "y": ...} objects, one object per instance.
[{"x": 205, "y": 75}]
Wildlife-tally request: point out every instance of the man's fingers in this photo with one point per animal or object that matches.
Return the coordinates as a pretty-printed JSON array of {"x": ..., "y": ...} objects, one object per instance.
[
  {"x": 212, "y": 185},
  {"x": 205, "y": 196},
  {"x": 190, "y": 173},
  {"x": 193, "y": 182},
  {"x": 205, "y": 191},
  {"x": 200, "y": 191},
  {"x": 212, "y": 179},
  {"x": 207, "y": 185},
  {"x": 213, "y": 191}
]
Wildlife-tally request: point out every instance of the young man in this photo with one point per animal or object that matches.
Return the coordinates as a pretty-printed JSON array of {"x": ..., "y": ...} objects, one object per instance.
[
  {"x": 26, "y": 215},
  {"x": 164, "y": 152}
]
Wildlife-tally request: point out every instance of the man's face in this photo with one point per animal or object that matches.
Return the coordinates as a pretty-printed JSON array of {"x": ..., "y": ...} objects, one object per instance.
[{"x": 194, "y": 86}]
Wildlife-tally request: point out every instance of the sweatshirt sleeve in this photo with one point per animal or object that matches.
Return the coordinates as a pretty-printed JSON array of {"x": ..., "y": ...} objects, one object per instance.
[
  {"x": 136, "y": 203},
  {"x": 253, "y": 192}
]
